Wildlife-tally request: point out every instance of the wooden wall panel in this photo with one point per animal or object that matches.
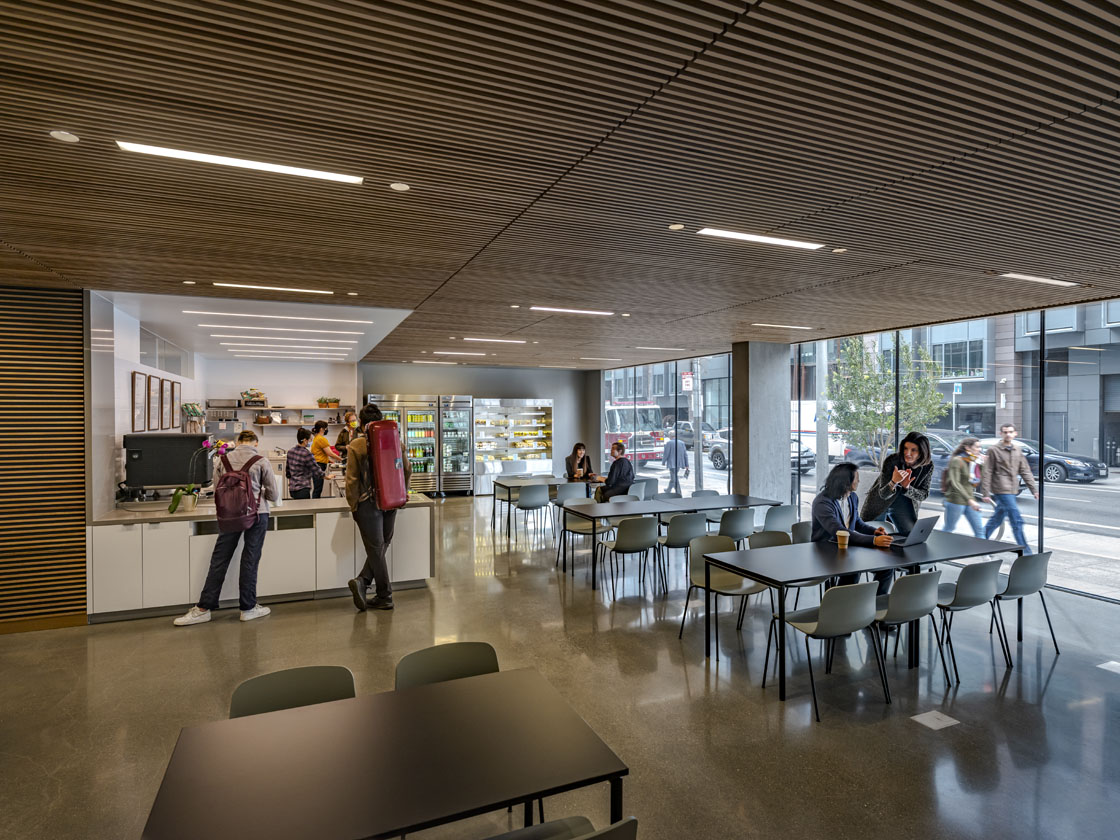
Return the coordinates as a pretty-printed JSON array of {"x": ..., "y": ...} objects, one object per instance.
[{"x": 42, "y": 459}]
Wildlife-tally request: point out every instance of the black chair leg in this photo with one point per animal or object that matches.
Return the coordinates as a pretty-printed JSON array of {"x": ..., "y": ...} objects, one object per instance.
[
  {"x": 947, "y": 629},
  {"x": 797, "y": 599},
  {"x": 897, "y": 639},
  {"x": 1001, "y": 631},
  {"x": 940, "y": 649},
  {"x": 684, "y": 614},
  {"x": 812, "y": 682},
  {"x": 540, "y": 809},
  {"x": 1053, "y": 638},
  {"x": 766, "y": 662},
  {"x": 880, "y": 660},
  {"x": 742, "y": 613}
]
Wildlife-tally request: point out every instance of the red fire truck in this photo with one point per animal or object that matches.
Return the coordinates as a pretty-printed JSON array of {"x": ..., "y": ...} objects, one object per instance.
[{"x": 639, "y": 427}]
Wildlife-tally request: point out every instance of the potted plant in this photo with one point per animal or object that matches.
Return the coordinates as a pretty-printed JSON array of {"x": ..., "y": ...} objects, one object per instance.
[
  {"x": 185, "y": 497},
  {"x": 323, "y": 401},
  {"x": 332, "y": 402}
]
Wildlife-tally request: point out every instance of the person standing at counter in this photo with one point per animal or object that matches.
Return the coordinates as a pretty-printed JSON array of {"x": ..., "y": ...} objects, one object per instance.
[
  {"x": 349, "y": 430},
  {"x": 244, "y": 457},
  {"x": 323, "y": 454},
  {"x": 375, "y": 525},
  {"x": 620, "y": 477},
  {"x": 300, "y": 467},
  {"x": 578, "y": 464}
]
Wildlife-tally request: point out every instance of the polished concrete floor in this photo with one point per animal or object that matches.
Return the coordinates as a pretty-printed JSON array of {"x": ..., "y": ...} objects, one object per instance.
[{"x": 89, "y": 716}]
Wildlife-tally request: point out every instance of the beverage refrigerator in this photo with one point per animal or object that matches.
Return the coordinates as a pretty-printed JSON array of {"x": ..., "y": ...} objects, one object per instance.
[
  {"x": 416, "y": 415},
  {"x": 456, "y": 444}
]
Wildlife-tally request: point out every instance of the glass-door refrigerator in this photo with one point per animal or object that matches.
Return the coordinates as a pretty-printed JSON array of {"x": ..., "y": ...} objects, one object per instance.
[
  {"x": 456, "y": 444},
  {"x": 416, "y": 415}
]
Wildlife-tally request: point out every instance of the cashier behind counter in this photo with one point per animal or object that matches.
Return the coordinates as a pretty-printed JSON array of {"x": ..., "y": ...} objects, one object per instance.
[
  {"x": 349, "y": 432},
  {"x": 323, "y": 454}
]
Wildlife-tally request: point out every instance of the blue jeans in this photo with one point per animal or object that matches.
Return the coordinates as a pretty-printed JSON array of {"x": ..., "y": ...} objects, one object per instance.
[
  {"x": 1007, "y": 505},
  {"x": 953, "y": 513},
  {"x": 250, "y": 559}
]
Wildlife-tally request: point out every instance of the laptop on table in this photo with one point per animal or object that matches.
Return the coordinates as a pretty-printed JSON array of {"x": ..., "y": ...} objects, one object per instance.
[{"x": 917, "y": 535}]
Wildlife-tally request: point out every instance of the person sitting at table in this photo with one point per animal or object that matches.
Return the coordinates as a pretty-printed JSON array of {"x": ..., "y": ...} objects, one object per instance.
[
  {"x": 620, "y": 477},
  {"x": 836, "y": 508},
  {"x": 578, "y": 462}
]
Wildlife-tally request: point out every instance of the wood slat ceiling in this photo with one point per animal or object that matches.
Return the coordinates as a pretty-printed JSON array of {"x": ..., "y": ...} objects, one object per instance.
[{"x": 550, "y": 144}]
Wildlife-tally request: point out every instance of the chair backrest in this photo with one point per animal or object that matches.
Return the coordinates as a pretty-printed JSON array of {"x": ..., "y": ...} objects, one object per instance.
[
  {"x": 570, "y": 491},
  {"x": 512, "y": 467},
  {"x": 846, "y": 609},
  {"x": 1027, "y": 575},
  {"x": 636, "y": 534},
  {"x": 580, "y": 501},
  {"x": 625, "y": 830},
  {"x": 736, "y": 523},
  {"x": 626, "y": 497},
  {"x": 700, "y": 546},
  {"x": 769, "y": 539},
  {"x": 290, "y": 688},
  {"x": 802, "y": 532},
  {"x": 696, "y": 493},
  {"x": 637, "y": 488},
  {"x": 977, "y": 584},
  {"x": 884, "y": 524},
  {"x": 533, "y": 496},
  {"x": 663, "y": 496},
  {"x": 780, "y": 518},
  {"x": 684, "y": 528},
  {"x": 913, "y": 596},
  {"x": 651, "y": 487},
  {"x": 440, "y": 663}
]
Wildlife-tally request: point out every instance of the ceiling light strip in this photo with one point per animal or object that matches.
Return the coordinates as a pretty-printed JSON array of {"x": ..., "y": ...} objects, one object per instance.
[
  {"x": 274, "y": 288},
  {"x": 454, "y": 353},
  {"x": 497, "y": 340},
  {"x": 782, "y": 326},
  {"x": 277, "y": 317},
  {"x": 286, "y": 338},
  {"x": 1049, "y": 281},
  {"x": 762, "y": 240},
  {"x": 280, "y": 329},
  {"x": 279, "y": 358},
  {"x": 570, "y": 311},
  {"x": 221, "y": 160},
  {"x": 343, "y": 350}
]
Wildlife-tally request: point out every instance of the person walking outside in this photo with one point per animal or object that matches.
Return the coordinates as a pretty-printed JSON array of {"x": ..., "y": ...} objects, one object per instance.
[
  {"x": 999, "y": 482},
  {"x": 375, "y": 525},
  {"x": 300, "y": 467},
  {"x": 323, "y": 454},
  {"x": 261, "y": 488},
  {"x": 959, "y": 486},
  {"x": 675, "y": 458}
]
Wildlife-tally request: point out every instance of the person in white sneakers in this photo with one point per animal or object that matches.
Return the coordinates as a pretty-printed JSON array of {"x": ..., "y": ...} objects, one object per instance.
[{"x": 244, "y": 484}]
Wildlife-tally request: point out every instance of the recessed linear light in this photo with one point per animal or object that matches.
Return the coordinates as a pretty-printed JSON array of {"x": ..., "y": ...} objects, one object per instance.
[
  {"x": 597, "y": 359},
  {"x": 782, "y": 326},
  {"x": 100, "y": 329},
  {"x": 238, "y": 162},
  {"x": 1094, "y": 349},
  {"x": 570, "y": 311},
  {"x": 839, "y": 250},
  {"x": 565, "y": 367},
  {"x": 288, "y": 353},
  {"x": 454, "y": 353},
  {"x": 432, "y": 362},
  {"x": 280, "y": 329},
  {"x": 1050, "y": 281},
  {"x": 764, "y": 240},
  {"x": 497, "y": 340},
  {"x": 674, "y": 349},
  {"x": 352, "y": 294},
  {"x": 274, "y": 288},
  {"x": 277, "y": 317},
  {"x": 188, "y": 282},
  {"x": 284, "y": 347},
  {"x": 280, "y": 358},
  {"x": 286, "y": 338},
  {"x": 64, "y": 136}
]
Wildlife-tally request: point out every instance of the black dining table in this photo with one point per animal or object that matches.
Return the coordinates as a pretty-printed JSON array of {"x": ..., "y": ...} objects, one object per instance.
[
  {"x": 783, "y": 566},
  {"x": 382, "y": 765},
  {"x": 652, "y": 507}
]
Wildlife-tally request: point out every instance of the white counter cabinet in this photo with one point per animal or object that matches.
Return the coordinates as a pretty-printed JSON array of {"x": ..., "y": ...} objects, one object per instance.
[
  {"x": 410, "y": 554},
  {"x": 118, "y": 568},
  {"x": 166, "y": 566}
]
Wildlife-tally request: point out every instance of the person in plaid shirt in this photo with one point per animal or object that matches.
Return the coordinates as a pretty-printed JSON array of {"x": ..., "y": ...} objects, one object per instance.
[{"x": 301, "y": 468}]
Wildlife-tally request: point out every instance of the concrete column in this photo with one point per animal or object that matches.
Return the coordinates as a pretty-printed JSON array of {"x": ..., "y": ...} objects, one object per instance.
[{"x": 760, "y": 409}]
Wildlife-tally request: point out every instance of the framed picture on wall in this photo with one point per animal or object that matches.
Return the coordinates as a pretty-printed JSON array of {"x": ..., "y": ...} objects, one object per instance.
[
  {"x": 139, "y": 402},
  {"x": 153, "y": 403},
  {"x": 165, "y": 403},
  {"x": 176, "y": 403}
]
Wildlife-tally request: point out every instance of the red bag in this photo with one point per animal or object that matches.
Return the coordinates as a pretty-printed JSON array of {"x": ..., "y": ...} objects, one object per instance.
[
  {"x": 386, "y": 462},
  {"x": 234, "y": 501}
]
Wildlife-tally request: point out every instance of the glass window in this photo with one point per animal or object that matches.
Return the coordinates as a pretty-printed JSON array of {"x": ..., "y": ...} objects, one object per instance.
[
  {"x": 1112, "y": 312},
  {"x": 1057, "y": 320}
]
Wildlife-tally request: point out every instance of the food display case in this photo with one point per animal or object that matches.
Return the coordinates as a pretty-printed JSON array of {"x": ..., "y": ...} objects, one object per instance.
[
  {"x": 511, "y": 437},
  {"x": 416, "y": 415},
  {"x": 455, "y": 444}
]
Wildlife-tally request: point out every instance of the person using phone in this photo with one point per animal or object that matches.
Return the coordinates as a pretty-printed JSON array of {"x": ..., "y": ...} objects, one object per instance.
[{"x": 902, "y": 484}]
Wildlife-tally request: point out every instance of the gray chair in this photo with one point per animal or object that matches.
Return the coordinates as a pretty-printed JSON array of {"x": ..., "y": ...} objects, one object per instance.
[
  {"x": 441, "y": 663},
  {"x": 696, "y": 493},
  {"x": 769, "y": 539},
  {"x": 564, "y": 492},
  {"x": 884, "y": 524},
  {"x": 723, "y": 582},
  {"x": 976, "y": 585},
  {"x": 683, "y": 529},
  {"x": 912, "y": 598},
  {"x": 713, "y": 515},
  {"x": 1027, "y": 577},
  {"x": 574, "y": 828},
  {"x": 576, "y": 526},
  {"x": 843, "y": 610},
  {"x": 635, "y": 535},
  {"x": 533, "y": 499},
  {"x": 663, "y": 518},
  {"x": 651, "y": 487},
  {"x": 780, "y": 518},
  {"x": 625, "y": 497},
  {"x": 802, "y": 532},
  {"x": 290, "y": 688},
  {"x": 737, "y": 523}
]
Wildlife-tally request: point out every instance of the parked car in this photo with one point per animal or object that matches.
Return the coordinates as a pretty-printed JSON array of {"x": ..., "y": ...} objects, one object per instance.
[
  {"x": 686, "y": 432},
  {"x": 719, "y": 452},
  {"x": 808, "y": 457},
  {"x": 1058, "y": 466}
]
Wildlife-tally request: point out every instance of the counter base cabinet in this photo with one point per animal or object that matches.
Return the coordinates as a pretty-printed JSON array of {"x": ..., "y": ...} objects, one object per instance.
[
  {"x": 166, "y": 564},
  {"x": 118, "y": 571},
  {"x": 201, "y": 547},
  {"x": 338, "y": 550},
  {"x": 411, "y": 552},
  {"x": 288, "y": 559}
]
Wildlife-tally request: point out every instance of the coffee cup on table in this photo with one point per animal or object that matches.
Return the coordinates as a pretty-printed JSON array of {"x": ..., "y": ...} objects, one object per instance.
[{"x": 842, "y": 539}]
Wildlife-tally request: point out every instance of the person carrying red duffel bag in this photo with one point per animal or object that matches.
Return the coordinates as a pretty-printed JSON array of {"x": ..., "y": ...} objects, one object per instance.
[{"x": 374, "y": 507}]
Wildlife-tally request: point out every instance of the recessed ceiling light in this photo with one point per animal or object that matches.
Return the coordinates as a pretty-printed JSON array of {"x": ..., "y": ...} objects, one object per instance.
[
  {"x": 432, "y": 362},
  {"x": 280, "y": 329},
  {"x": 238, "y": 162},
  {"x": 676, "y": 227},
  {"x": 673, "y": 349},
  {"x": 497, "y": 340},
  {"x": 570, "y": 311},
  {"x": 782, "y": 326},
  {"x": 285, "y": 338},
  {"x": 305, "y": 352},
  {"x": 284, "y": 347},
  {"x": 452, "y": 353},
  {"x": 277, "y": 317},
  {"x": 275, "y": 288},
  {"x": 515, "y": 306},
  {"x": 625, "y": 314},
  {"x": 597, "y": 359},
  {"x": 839, "y": 250},
  {"x": 352, "y": 294},
  {"x": 64, "y": 136},
  {"x": 1050, "y": 281},
  {"x": 536, "y": 342},
  {"x": 764, "y": 240},
  {"x": 399, "y": 186},
  {"x": 279, "y": 358},
  {"x": 188, "y": 282}
]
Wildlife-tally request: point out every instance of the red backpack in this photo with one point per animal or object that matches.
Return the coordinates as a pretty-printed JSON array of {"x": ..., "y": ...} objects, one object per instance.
[{"x": 233, "y": 498}]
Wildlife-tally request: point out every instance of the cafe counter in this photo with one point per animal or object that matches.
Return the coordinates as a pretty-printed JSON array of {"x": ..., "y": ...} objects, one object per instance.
[{"x": 142, "y": 560}]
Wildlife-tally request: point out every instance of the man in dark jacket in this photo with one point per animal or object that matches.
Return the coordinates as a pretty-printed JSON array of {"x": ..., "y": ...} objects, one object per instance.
[{"x": 621, "y": 475}]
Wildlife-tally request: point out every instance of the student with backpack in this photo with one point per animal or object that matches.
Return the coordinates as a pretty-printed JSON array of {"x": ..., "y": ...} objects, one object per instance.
[
  {"x": 959, "y": 484},
  {"x": 244, "y": 484}
]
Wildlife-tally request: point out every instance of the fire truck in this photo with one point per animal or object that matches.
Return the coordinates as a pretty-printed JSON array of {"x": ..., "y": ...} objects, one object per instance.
[{"x": 639, "y": 427}]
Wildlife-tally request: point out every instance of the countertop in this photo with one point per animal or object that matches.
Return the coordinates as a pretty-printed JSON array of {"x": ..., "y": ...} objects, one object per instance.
[{"x": 205, "y": 510}]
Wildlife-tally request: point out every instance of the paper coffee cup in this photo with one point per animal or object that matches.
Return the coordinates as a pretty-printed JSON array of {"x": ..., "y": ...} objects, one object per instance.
[{"x": 842, "y": 539}]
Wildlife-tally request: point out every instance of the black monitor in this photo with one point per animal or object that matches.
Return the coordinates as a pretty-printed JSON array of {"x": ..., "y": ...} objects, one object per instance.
[{"x": 164, "y": 459}]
